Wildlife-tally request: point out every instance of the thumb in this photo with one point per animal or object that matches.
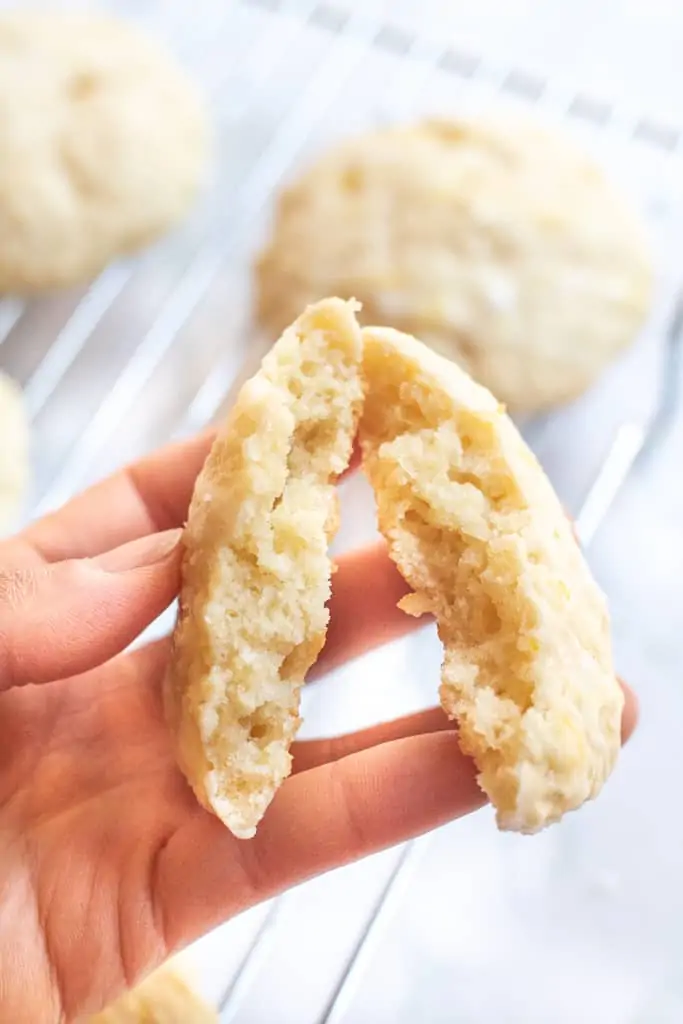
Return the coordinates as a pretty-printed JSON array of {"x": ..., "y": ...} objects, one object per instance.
[{"x": 62, "y": 619}]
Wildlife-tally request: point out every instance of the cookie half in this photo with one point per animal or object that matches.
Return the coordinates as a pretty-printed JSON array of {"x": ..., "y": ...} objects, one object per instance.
[
  {"x": 476, "y": 529},
  {"x": 256, "y": 570}
]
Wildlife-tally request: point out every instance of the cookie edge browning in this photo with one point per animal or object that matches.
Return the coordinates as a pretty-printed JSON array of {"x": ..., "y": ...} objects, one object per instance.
[{"x": 537, "y": 804}]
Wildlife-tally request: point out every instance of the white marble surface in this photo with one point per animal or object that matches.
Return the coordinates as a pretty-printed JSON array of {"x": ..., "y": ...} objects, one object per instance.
[{"x": 584, "y": 923}]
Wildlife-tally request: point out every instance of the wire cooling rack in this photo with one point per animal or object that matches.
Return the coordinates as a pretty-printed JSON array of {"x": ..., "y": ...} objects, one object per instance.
[{"x": 464, "y": 925}]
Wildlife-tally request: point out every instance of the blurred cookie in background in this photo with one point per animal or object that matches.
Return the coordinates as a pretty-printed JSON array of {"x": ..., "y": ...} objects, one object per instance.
[
  {"x": 496, "y": 242},
  {"x": 14, "y": 452},
  {"x": 103, "y": 146},
  {"x": 165, "y": 997}
]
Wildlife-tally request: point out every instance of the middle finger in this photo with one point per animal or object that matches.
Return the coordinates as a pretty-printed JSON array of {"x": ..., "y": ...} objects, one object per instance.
[{"x": 309, "y": 754}]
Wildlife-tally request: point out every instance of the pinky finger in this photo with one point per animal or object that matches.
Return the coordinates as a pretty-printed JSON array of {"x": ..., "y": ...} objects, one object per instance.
[
  {"x": 322, "y": 818},
  {"x": 312, "y": 753},
  {"x": 364, "y": 802}
]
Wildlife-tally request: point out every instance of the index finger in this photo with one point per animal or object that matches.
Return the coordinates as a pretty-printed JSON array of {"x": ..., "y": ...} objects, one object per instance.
[{"x": 147, "y": 496}]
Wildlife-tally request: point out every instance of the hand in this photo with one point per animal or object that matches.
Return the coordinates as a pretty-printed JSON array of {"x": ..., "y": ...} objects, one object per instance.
[{"x": 107, "y": 862}]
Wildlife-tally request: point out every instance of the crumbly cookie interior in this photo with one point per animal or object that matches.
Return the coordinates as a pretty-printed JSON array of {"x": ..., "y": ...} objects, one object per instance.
[
  {"x": 475, "y": 528},
  {"x": 257, "y": 570}
]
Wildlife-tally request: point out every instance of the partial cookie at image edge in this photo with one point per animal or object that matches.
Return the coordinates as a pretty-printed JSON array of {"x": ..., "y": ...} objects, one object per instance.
[{"x": 104, "y": 146}]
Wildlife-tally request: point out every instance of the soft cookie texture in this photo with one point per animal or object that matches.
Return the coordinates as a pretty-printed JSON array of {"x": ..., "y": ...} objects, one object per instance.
[
  {"x": 14, "y": 451},
  {"x": 256, "y": 573},
  {"x": 165, "y": 997},
  {"x": 476, "y": 529},
  {"x": 498, "y": 243},
  {"x": 103, "y": 144}
]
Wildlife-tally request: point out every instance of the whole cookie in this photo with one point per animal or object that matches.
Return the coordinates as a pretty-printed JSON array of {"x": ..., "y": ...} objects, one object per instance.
[
  {"x": 14, "y": 450},
  {"x": 102, "y": 146},
  {"x": 497, "y": 243}
]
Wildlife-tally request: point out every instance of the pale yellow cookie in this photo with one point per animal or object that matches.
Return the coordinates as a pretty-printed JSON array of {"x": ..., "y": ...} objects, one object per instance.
[
  {"x": 103, "y": 144},
  {"x": 165, "y": 997},
  {"x": 496, "y": 242},
  {"x": 14, "y": 451},
  {"x": 477, "y": 531},
  {"x": 256, "y": 572}
]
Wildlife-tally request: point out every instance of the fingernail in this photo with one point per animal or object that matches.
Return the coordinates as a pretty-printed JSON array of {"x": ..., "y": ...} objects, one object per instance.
[{"x": 139, "y": 553}]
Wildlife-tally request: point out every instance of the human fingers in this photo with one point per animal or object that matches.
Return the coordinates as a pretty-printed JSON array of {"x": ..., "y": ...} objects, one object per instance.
[
  {"x": 345, "y": 808},
  {"x": 320, "y": 819},
  {"x": 366, "y": 589},
  {"x": 309, "y": 754},
  {"x": 354, "y": 462},
  {"x": 61, "y": 620},
  {"x": 147, "y": 496},
  {"x": 312, "y": 753},
  {"x": 630, "y": 714}
]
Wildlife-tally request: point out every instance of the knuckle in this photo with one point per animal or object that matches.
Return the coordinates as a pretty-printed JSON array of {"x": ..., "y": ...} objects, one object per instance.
[
  {"x": 346, "y": 803},
  {"x": 17, "y": 586}
]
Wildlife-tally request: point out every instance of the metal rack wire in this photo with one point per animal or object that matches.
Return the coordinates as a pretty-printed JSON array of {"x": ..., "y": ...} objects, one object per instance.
[
  {"x": 282, "y": 76},
  {"x": 352, "y": 35}
]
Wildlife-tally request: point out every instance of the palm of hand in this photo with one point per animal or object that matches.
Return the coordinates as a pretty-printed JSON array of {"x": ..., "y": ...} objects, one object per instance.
[{"x": 82, "y": 758}]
